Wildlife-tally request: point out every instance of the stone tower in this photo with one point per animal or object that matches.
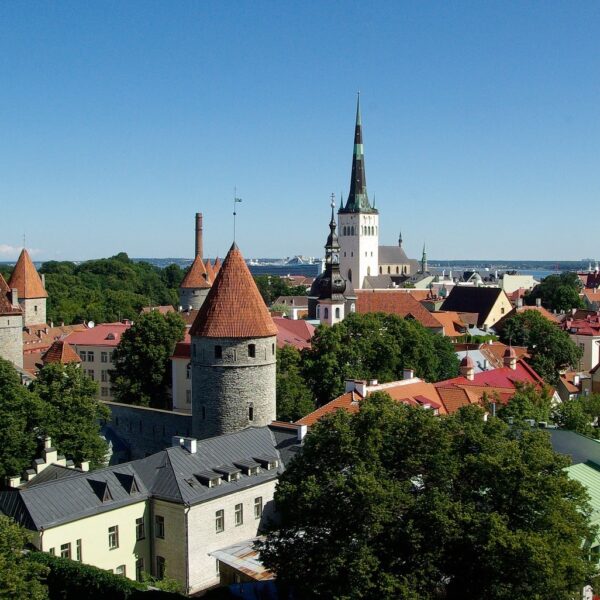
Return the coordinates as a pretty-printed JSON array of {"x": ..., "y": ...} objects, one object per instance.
[
  {"x": 197, "y": 281},
  {"x": 326, "y": 300},
  {"x": 358, "y": 221},
  {"x": 11, "y": 325},
  {"x": 31, "y": 289},
  {"x": 233, "y": 354}
]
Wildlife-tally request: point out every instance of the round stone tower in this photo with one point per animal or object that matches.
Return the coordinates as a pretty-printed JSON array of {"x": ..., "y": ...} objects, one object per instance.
[
  {"x": 233, "y": 354},
  {"x": 11, "y": 325}
]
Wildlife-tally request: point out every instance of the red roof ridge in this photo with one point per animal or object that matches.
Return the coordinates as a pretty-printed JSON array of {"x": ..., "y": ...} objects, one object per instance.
[
  {"x": 234, "y": 307},
  {"x": 26, "y": 278}
]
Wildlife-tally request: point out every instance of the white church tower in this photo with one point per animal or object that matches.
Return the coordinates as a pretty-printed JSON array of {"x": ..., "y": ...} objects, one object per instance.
[{"x": 358, "y": 221}]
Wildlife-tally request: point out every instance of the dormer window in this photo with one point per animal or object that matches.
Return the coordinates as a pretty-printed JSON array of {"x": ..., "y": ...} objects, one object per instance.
[
  {"x": 267, "y": 462},
  {"x": 209, "y": 478},
  {"x": 248, "y": 466},
  {"x": 228, "y": 472}
]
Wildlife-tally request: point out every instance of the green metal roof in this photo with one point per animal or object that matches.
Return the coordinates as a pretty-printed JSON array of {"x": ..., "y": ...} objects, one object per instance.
[{"x": 588, "y": 474}]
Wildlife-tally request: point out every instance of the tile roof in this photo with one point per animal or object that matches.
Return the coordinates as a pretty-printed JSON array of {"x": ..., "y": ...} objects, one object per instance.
[
  {"x": 6, "y": 306},
  {"x": 234, "y": 307},
  {"x": 196, "y": 277},
  {"x": 397, "y": 303},
  {"x": 587, "y": 326},
  {"x": 296, "y": 301},
  {"x": 297, "y": 333},
  {"x": 105, "y": 334},
  {"x": 183, "y": 348},
  {"x": 60, "y": 352},
  {"x": 348, "y": 401},
  {"x": 37, "y": 338},
  {"x": 504, "y": 377},
  {"x": 451, "y": 322},
  {"x": 26, "y": 278},
  {"x": 543, "y": 311},
  {"x": 478, "y": 300}
]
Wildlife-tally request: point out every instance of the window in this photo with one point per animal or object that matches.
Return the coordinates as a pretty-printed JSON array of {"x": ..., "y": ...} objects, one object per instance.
[
  {"x": 90, "y": 373},
  {"x": 140, "y": 529},
  {"x": 318, "y": 311},
  {"x": 203, "y": 413},
  {"x": 35, "y": 308},
  {"x": 104, "y": 357},
  {"x": 104, "y": 375},
  {"x": 273, "y": 349},
  {"x": 113, "y": 537},
  {"x": 188, "y": 396},
  {"x": 326, "y": 313},
  {"x": 188, "y": 371},
  {"x": 78, "y": 550},
  {"x": 159, "y": 527},
  {"x": 121, "y": 570},
  {"x": 252, "y": 350},
  {"x": 160, "y": 567},
  {"x": 218, "y": 352},
  {"x": 337, "y": 313},
  {"x": 90, "y": 357},
  {"x": 51, "y": 552},
  {"x": 83, "y": 356},
  {"x": 258, "y": 507},
  {"x": 65, "y": 550},
  {"x": 250, "y": 412},
  {"x": 220, "y": 521},
  {"x": 239, "y": 514},
  {"x": 139, "y": 569}
]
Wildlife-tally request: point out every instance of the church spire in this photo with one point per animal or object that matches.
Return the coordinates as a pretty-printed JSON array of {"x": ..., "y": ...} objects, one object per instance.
[
  {"x": 358, "y": 200},
  {"x": 400, "y": 239},
  {"x": 424, "y": 267}
]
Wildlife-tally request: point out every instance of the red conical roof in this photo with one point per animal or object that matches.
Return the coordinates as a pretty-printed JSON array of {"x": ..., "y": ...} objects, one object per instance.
[
  {"x": 234, "y": 307},
  {"x": 26, "y": 278},
  {"x": 210, "y": 271},
  {"x": 196, "y": 277},
  {"x": 60, "y": 352}
]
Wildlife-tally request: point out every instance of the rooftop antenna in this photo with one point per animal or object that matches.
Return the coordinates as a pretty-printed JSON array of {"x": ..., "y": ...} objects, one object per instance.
[{"x": 235, "y": 201}]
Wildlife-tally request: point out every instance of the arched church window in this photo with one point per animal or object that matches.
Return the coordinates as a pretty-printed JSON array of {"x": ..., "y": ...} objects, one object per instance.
[
  {"x": 350, "y": 275},
  {"x": 380, "y": 270},
  {"x": 318, "y": 311},
  {"x": 352, "y": 230},
  {"x": 250, "y": 412},
  {"x": 252, "y": 350},
  {"x": 389, "y": 270},
  {"x": 397, "y": 270},
  {"x": 188, "y": 370},
  {"x": 352, "y": 307},
  {"x": 337, "y": 313},
  {"x": 326, "y": 313},
  {"x": 368, "y": 270}
]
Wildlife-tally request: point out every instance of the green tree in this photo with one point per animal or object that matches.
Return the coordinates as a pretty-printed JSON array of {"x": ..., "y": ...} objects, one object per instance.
[
  {"x": 374, "y": 346},
  {"x": 294, "y": 398},
  {"x": 142, "y": 373},
  {"x": 19, "y": 577},
  {"x": 20, "y": 415},
  {"x": 557, "y": 292},
  {"x": 529, "y": 402},
  {"x": 550, "y": 348},
  {"x": 71, "y": 413},
  {"x": 393, "y": 502},
  {"x": 272, "y": 286}
]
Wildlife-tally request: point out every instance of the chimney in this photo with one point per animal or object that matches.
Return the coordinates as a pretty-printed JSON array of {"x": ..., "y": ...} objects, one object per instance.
[
  {"x": 13, "y": 481},
  {"x": 85, "y": 465},
  {"x": 576, "y": 380},
  {"x": 14, "y": 296},
  {"x": 189, "y": 443},
  {"x": 467, "y": 368},
  {"x": 538, "y": 301},
  {"x": 199, "y": 234},
  {"x": 44, "y": 281},
  {"x": 408, "y": 373},
  {"x": 301, "y": 432},
  {"x": 519, "y": 302}
]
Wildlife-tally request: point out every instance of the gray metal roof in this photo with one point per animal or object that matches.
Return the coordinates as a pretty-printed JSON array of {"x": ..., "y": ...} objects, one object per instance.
[
  {"x": 167, "y": 475},
  {"x": 51, "y": 473}
]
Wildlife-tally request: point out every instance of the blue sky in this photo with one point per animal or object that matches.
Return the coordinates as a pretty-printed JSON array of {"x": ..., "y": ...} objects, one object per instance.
[{"x": 120, "y": 120}]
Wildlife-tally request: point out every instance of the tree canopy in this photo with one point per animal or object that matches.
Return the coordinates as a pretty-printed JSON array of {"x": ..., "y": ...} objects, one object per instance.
[
  {"x": 294, "y": 398},
  {"x": 374, "y": 346},
  {"x": 394, "y": 502},
  {"x": 142, "y": 373},
  {"x": 550, "y": 348},
  {"x": 557, "y": 292}
]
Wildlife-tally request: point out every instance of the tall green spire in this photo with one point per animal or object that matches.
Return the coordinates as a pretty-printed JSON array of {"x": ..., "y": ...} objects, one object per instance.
[{"x": 358, "y": 200}]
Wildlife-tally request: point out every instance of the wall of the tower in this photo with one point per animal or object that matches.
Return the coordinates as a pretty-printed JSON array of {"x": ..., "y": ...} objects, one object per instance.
[
  {"x": 358, "y": 235},
  {"x": 34, "y": 310},
  {"x": 193, "y": 297},
  {"x": 233, "y": 384},
  {"x": 330, "y": 313},
  {"x": 11, "y": 339}
]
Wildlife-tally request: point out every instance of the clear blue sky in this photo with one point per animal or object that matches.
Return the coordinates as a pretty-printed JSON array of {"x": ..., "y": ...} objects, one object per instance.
[{"x": 120, "y": 120}]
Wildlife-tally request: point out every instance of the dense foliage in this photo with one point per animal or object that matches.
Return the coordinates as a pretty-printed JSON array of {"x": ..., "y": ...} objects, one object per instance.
[
  {"x": 271, "y": 287},
  {"x": 394, "y": 502},
  {"x": 19, "y": 577},
  {"x": 580, "y": 414},
  {"x": 529, "y": 402},
  {"x": 557, "y": 292},
  {"x": 294, "y": 398},
  {"x": 142, "y": 373},
  {"x": 374, "y": 346},
  {"x": 550, "y": 348},
  {"x": 60, "y": 404}
]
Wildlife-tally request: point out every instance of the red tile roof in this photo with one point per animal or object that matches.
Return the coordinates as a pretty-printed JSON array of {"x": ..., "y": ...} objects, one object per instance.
[
  {"x": 26, "y": 278},
  {"x": 105, "y": 334},
  {"x": 348, "y": 401},
  {"x": 210, "y": 271},
  {"x": 6, "y": 306},
  {"x": 396, "y": 303},
  {"x": 588, "y": 326},
  {"x": 60, "y": 352},
  {"x": 504, "y": 377},
  {"x": 196, "y": 277},
  {"x": 38, "y": 338},
  {"x": 297, "y": 333},
  {"x": 234, "y": 307},
  {"x": 451, "y": 322}
]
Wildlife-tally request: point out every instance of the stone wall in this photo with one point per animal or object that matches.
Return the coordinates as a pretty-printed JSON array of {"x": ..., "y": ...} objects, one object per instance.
[
  {"x": 192, "y": 297},
  {"x": 11, "y": 339},
  {"x": 147, "y": 430},
  {"x": 34, "y": 310},
  {"x": 234, "y": 391}
]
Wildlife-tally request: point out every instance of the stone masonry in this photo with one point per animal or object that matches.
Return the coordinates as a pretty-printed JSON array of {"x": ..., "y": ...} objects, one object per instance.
[
  {"x": 235, "y": 390},
  {"x": 192, "y": 297},
  {"x": 11, "y": 338}
]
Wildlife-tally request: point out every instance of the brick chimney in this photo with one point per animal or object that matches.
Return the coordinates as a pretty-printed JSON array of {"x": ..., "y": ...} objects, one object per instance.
[
  {"x": 199, "y": 250},
  {"x": 467, "y": 368}
]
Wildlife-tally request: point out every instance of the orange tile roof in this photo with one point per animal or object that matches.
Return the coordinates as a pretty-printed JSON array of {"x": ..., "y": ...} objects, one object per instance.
[
  {"x": 6, "y": 306},
  {"x": 217, "y": 264},
  {"x": 451, "y": 322},
  {"x": 26, "y": 278},
  {"x": 348, "y": 401},
  {"x": 234, "y": 307},
  {"x": 37, "y": 338},
  {"x": 196, "y": 277},
  {"x": 543, "y": 311},
  {"x": 394, "y": 302},
  {"x": 60, "y": 352},
  {"x": 454, "y": 398}
]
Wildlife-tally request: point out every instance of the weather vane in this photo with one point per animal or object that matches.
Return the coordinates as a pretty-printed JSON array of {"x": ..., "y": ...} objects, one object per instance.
[
  {"x": 332, "y": 200},
  {"x": 235, "y": 201}
]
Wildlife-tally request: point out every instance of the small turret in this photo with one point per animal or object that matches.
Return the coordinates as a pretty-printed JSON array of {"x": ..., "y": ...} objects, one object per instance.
[{"x": 467, "y": 368}]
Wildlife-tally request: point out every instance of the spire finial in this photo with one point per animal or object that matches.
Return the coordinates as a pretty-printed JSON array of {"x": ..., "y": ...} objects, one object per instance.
[
  {"x": 358, "y": 120},
  {"x": 235, "y": 201},
  {"x": 400, "y": 239}
]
